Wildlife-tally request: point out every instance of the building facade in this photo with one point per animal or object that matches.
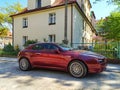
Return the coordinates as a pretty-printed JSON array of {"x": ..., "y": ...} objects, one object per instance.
[
  {"x": 6, "y": 40},
  {"x": 44, "y": 20}
]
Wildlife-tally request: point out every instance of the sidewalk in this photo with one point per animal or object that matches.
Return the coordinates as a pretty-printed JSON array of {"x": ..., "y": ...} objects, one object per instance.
[
  {"x": 8, "y": 59},
  {"x": 113, "y": 68}
]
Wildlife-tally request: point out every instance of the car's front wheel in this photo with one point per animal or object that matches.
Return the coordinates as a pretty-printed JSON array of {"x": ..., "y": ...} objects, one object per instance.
[
  {"x": 77, "y": 69},
  {"x": 24, "y": 64}
]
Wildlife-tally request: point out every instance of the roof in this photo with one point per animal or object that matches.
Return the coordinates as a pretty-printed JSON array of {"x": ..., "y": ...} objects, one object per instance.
[{"x": 57, "y": 3}]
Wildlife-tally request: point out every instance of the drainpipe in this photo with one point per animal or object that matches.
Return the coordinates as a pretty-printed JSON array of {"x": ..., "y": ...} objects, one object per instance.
[{"x": 66, "y": 15}]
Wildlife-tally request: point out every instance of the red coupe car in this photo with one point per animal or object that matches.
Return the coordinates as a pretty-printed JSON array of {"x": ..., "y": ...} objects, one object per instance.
[{"x": 53, "y": 56}]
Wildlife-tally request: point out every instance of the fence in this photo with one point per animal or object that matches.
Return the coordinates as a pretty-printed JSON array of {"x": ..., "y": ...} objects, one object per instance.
[{"x": 110, "y": 49}]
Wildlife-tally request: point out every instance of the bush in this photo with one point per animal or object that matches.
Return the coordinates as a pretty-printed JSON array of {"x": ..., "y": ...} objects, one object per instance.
[
  {"x": 8, "y": 48},
  {"x": 30, "y": 42}
]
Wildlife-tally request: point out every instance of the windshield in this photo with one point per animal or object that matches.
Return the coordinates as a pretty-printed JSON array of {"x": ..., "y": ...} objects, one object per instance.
[{"x": 65, "y": 47}]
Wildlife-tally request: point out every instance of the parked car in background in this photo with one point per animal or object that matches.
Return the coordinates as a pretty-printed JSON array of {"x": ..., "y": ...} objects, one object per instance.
[{"x": 54, "y": 56}]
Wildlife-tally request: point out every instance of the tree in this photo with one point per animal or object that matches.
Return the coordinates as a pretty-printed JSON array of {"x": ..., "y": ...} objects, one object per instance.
[
  {"x": 3, "y": 32},
  {"x": 110, "y": 26},
  {"x": 10, "y": 10},
  {"x": 5, "y": 19}
]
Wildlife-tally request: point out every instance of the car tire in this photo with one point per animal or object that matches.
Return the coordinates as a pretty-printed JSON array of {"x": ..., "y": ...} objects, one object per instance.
[
  {"x": 24, "y": 64},
  {"x": 77, "y": 69}
]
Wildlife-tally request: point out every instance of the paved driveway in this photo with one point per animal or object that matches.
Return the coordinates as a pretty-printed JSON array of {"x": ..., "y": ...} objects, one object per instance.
[{"x": 11, "y": 78}]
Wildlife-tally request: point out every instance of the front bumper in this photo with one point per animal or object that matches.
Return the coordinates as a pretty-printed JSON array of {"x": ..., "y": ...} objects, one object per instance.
[{"x": 97, "y": 68}]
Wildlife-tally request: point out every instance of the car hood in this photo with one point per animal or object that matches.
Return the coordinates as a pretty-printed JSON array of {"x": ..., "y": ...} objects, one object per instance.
[
  {"x": 87, "y": 54},
  {"x": 93, "y": 54}
]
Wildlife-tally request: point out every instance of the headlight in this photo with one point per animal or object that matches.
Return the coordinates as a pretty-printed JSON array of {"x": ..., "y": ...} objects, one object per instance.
[{"x": 100, "y": 60}]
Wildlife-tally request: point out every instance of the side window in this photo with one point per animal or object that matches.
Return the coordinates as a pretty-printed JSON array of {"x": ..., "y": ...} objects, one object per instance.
[
  {"x": 37, "y": 47},
  {"x": 50, "y": 47}
]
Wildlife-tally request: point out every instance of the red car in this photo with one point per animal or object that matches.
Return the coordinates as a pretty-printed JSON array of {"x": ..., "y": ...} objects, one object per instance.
[{"x": 49, "y": 55}]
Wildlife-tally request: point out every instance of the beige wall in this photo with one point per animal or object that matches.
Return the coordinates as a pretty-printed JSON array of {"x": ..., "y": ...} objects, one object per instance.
[
  {"x": 32, "y": 3},
  {"x": 87, "y": 7},
  {"x": 39, "y": 28},
  {"x": 79, "y": 32},
  {"x": 45, "y": 2}
]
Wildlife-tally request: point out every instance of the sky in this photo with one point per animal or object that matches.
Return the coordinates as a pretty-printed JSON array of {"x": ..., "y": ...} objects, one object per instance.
[{"x": 101, "y": 9}]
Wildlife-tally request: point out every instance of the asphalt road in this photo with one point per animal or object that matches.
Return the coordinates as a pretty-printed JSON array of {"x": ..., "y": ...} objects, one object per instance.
[{"x": 12, "y": 78}]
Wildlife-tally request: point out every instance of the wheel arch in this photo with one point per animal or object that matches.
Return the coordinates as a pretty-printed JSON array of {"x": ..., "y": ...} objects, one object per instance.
[
  {"x": 25, "y": 58},
  {"x": 79, "y": 61},
  {"x": 22, "y": 58}
]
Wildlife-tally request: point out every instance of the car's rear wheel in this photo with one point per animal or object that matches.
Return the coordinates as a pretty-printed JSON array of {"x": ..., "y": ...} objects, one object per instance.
[
  {"x": 24, "y": 64},
  {"x": 77, "y": 69}
]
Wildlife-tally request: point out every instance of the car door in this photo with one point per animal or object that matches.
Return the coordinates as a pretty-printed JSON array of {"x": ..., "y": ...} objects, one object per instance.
[
  {"x": 38, "y": 55},
  {"x": 55, "y": 58}
]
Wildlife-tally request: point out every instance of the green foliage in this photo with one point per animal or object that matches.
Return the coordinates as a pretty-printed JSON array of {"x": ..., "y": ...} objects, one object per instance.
[
  {"x": 5, "y": 19},
  {"x": 8, "y": 48},
  {"x": 17, "y": 48},
  {"x": 107, "y": 49},
  {"x": 1, "y": 18},
  {"x": 30, "y": 42},
  {"x": 3, "y": 31},
  {"x": 65, "y": 42},
  {"x": 110, "y": 26},
  {"x": 7, "y": 54},
  {"x": 10, "y": 10}
]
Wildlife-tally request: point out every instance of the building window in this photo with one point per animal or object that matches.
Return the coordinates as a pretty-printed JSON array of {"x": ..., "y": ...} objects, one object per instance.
[
  {"x": 52, "y": 38},
  {"x": 52, "y": 18},
  {"x": 38, "y": 3},
  {"x": 25, "y": 39},
  {"x": 25, "y": 22}
]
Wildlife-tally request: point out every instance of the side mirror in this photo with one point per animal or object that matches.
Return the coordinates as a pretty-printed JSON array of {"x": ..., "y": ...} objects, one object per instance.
[{"x": 57, "y": 51}]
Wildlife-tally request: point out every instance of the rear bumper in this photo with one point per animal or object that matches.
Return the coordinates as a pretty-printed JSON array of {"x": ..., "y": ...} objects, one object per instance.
[{"x": 97, "y": 68}]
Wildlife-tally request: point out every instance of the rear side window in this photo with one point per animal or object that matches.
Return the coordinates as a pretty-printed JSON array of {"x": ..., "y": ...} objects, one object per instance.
[
  {"x": 50, "y": 47},
  {"x": 38, "y": 47}
]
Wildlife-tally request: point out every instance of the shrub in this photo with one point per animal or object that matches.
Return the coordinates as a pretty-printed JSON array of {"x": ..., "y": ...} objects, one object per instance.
[
  {"x": 30, "y": 42},
  {"x": 8, "y": 48},
  {"x": 65, "y": 42}
]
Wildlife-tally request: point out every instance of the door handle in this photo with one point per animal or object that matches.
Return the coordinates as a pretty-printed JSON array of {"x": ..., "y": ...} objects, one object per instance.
[{"x": 38, "y": 53}]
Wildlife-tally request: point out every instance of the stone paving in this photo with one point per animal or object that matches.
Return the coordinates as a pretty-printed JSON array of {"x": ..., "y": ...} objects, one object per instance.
[{"x": 12, "y": 78}]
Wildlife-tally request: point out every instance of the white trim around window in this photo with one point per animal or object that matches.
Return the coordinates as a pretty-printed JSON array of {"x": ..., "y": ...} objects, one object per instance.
[
  {"x": 52, "y": 18},
  {"x": 25, "y": 22}
]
